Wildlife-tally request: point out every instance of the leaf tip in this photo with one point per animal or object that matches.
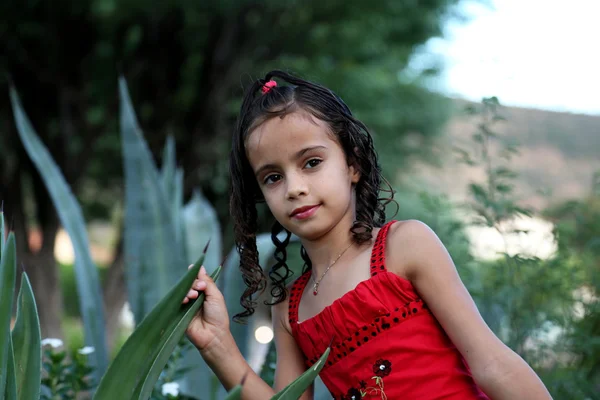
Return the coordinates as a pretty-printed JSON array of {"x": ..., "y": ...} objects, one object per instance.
[
  {"x": 206, "y": 247},
  {"x": 9, "y": 79}
]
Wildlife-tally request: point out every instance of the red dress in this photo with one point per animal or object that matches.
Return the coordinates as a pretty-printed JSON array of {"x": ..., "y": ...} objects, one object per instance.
[{"x": 386, "y": 342}]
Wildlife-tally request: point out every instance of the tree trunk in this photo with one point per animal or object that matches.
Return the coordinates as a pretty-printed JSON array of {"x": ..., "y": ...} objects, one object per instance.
[
  {"x": 115, "y": 295},
  {"x": 45, "y": 280},
  {"x": 39, "y": 265}
]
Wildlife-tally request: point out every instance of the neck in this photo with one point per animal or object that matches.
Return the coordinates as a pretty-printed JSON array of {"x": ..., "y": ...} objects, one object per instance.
[{"x": 326, "y": 249}]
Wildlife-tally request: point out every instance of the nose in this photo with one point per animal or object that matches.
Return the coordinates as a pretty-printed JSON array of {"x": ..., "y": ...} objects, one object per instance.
[{"x": 296, "y": 186}]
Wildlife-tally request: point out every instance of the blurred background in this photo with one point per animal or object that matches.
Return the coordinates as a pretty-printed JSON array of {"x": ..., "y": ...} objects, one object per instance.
[{"x": 484, "y": 113}]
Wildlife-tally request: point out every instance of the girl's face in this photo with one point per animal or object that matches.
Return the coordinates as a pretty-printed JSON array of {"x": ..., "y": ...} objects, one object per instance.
[{"x": 303, "y": 173}]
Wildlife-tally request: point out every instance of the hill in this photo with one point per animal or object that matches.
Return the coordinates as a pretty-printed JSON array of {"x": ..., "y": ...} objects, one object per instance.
[{"x": 559, "y": 153}]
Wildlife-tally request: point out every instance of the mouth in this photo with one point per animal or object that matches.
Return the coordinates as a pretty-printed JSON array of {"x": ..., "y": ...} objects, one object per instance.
[{"x": 304, "y": 212}]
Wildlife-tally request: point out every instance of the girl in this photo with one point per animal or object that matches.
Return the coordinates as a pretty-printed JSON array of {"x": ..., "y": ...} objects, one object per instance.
[{"x": 385, "y": 296}]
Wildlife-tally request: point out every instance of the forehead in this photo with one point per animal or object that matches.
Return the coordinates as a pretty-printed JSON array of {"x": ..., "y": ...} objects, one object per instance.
[{"x": 284, "y": 136}]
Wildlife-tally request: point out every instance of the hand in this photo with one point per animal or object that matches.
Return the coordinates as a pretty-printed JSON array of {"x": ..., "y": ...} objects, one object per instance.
[{"x": 211, "y": 323}]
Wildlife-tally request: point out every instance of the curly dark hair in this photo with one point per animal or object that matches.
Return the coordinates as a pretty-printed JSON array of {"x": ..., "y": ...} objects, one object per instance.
[{"x": 357, "y": 144}]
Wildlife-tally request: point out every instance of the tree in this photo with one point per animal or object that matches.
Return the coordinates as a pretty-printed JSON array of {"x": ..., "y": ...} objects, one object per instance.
[{"x": 186, "y": 63}]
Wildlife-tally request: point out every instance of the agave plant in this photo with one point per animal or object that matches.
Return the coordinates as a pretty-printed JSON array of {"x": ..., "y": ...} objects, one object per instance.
[
  {"x": 20, "y": 349},
  {"x": 160, "y": 235},
  {"x": 139, "y": 362}
]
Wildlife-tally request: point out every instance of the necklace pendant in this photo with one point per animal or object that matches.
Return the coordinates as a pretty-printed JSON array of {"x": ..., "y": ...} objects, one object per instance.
[{"x": 314, "y": 292}]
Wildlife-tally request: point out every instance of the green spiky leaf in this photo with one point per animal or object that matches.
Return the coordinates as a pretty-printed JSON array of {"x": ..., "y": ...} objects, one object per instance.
[
  {"x": 71, "y": 217},
  {"x": 295, "y": 389},
  {"x": 27, "y": 344},
  {"x": 151, "y": 251},
  {"x": 8, "y": 271},
  {"x": 145, "y": 353}
]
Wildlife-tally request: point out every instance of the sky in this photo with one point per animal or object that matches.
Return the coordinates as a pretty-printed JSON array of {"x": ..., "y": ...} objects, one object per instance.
[{"x": 529, "y": 53}]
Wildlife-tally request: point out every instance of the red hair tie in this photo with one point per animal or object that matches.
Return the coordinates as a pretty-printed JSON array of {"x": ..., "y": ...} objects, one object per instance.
[{"x": 268, "y": 86}]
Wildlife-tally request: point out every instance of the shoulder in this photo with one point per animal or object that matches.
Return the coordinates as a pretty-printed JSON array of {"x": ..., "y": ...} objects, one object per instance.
[
  {"x": 409, "y": 244},
  {"x": 410, "y": 229}
]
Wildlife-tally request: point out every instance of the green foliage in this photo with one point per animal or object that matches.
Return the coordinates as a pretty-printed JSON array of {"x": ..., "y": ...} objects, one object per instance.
[
  {"x": 189, "y": 60},
  {"x": 577, "y": 229},
  {"x": 21, "y": 356},
  {"x": 26, "y": 343},
  {"x": 66, "y": 376},
  {"x": 173, "y": 371},
  {"x": 153, "y": 254},
  {"x": 136, "y": 368},
  {"x": 10, "y": 391},
  {"x": 493, "y": 201},
  {"x": 8, "y": 271},
  {"x": 71, "y": 217},
  {"x": 528, "y": 302},
  {"x": 295, "y": 389}
]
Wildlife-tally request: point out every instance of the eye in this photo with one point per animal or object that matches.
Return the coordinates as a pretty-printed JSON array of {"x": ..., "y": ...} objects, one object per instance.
[
  {"x": 270, "y": 179},
  {"x": 313, "y": 162}
]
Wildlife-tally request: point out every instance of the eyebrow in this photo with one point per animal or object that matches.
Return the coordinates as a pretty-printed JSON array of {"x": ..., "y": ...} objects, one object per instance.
[{"x": 296, "y": 156}]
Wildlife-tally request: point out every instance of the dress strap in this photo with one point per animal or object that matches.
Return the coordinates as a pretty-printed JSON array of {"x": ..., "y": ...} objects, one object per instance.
[
  {"x": 377, "y": 265},
  {"x": 295, "y": 296},
  {"x": 378, "y": 253}
]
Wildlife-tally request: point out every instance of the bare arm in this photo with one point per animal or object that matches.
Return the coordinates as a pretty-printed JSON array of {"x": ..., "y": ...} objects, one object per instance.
[
  {"x": 230, "y": 367},
  {"x": 290, "y": 362},
  {"x": 497, "y": 370},
  {"x": 228, "y": 364}
]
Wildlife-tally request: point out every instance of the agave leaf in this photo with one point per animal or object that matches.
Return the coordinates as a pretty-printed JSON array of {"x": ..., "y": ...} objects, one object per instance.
[
  {"x": 176, "y": 208},
  {"x": 152, "y": 254},
  {"x": 169, "y": 167},
  {"x": 199, "y": 225},
  {"x": 27, "y": 344},
  {"x": 8, "y": 271},
  {"x": 151, "y": 341},
  {"x": 2, "y": 233},
  {"x": 10, "y": 392},
  {"x": 71, "y": 217},
  {"x": 294, "y": 390},
  {"x": 167, "y": 347},
  {"x": 172, "y": 183}
]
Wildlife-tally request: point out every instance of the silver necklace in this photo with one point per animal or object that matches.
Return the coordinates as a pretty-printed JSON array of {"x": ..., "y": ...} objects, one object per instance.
[{"x": 316, "y": 285}]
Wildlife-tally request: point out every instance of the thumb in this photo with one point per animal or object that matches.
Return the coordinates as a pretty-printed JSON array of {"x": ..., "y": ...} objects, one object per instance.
[{"x": 210, "y": 287}]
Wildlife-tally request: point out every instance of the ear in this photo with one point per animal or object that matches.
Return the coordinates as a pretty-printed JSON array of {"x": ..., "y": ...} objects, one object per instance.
[
  {"x": 353, "y": 170},
  {"x": 354, "y": 174}
]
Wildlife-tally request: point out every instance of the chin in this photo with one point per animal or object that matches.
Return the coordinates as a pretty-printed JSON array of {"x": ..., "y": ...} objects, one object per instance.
[{"x": 310, "y": 229}]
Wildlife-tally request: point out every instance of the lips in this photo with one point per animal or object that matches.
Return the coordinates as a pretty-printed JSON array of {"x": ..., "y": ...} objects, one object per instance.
[{"x": 304, "y": 212}]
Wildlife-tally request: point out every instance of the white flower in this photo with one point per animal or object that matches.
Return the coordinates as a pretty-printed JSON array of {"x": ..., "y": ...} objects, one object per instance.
[
  {"x": 54, "y": 343},
  {"x": 171, "y": 388},
  {"x": 86, "y": 350}
]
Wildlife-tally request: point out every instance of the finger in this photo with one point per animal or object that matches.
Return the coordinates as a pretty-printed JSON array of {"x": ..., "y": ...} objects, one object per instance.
[
  {"x": 192, "y": 294},
  {"x": 199, "y": 285},
  {"x": 208, "y": 286},
  {"x": 201, "y": 271}
]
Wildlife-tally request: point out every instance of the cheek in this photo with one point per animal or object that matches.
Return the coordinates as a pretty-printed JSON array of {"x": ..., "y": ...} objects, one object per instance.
[{"x": 271, "y": 199}]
